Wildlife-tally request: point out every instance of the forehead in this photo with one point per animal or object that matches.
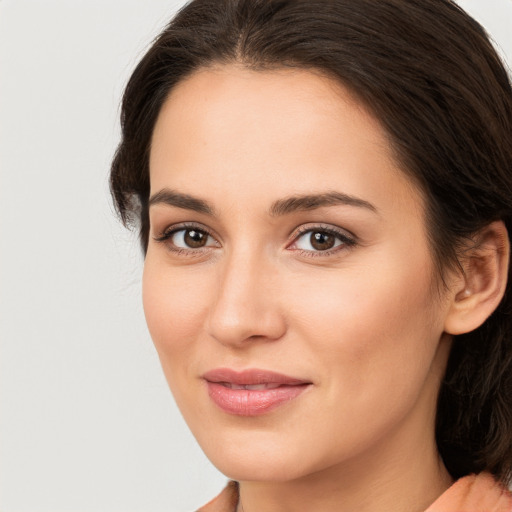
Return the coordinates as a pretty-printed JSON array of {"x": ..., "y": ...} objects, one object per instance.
[{"x": 236, "y": 132}]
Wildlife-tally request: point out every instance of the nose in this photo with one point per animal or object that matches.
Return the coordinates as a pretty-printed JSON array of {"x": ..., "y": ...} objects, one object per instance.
[{"x": 246, "y": 306}]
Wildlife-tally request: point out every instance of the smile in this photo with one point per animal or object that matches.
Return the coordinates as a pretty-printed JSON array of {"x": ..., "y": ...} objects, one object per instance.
[{"x": 251, "y": 392}]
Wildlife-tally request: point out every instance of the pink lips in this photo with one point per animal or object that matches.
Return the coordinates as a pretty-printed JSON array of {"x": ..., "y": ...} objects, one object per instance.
[{"x": 251, "y": 392}]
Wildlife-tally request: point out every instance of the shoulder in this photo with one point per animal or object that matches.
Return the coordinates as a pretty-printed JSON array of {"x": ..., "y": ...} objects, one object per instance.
[
  {"x": 480, "y": 493},
  {"x": 226, "y": 501}
]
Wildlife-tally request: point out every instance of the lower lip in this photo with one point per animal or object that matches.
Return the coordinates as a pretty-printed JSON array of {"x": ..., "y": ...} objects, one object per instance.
[{"x": 247, "y": 402}]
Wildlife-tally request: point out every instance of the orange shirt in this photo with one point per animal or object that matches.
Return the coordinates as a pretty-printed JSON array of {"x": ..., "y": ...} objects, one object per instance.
[{"x": 474, "y": 493}]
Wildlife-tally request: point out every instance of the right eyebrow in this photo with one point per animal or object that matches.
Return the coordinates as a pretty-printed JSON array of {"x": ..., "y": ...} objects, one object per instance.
[{"x": 179, "y": 200}]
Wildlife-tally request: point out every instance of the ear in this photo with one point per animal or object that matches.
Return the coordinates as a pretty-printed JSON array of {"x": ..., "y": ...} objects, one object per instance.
[{"x": 478, "y": 291}]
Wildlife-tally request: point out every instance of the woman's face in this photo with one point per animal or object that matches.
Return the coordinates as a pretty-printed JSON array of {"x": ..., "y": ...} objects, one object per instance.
[{"x": 285, "y": 240}]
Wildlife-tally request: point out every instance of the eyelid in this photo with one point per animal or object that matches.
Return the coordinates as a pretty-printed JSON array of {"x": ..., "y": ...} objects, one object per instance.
[
  {"x": 330, "y": 228},
  {"x": 347, "y": 238},
  {"x": 170, "y": 230}
]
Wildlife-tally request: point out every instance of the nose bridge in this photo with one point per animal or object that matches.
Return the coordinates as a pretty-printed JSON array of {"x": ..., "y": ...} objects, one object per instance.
[{"x": 245, "y": 306}]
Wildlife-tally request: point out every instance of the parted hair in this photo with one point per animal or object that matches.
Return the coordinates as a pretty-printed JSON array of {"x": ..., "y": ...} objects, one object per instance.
[{"x": 430, "y": 75}]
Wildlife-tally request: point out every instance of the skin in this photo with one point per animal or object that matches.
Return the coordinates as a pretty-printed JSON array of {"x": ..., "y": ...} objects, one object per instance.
[{"x": 363, "y": 322}]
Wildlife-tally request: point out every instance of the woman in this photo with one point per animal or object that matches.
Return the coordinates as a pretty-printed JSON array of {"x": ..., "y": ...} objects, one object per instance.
[{"x": 324, "y": 195}]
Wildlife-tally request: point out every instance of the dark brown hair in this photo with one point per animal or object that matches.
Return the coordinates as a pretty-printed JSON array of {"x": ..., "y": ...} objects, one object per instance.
[{"x": 430, "y": 75}]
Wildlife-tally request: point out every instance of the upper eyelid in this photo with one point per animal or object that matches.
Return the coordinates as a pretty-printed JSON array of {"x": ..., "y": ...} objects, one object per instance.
[
  {"x": 330, "y": 228},
  {"x": 173, "y": 228}
]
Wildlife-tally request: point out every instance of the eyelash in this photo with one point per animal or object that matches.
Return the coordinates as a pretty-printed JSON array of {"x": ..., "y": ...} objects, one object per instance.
[
  {"x": 169, "y": 232},
  {"x": 347, "y": 241}
]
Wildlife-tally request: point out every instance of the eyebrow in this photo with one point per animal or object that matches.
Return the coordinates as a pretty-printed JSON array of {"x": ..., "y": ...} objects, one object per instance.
[
  {"x": 312, "y": 201},
  {"x": 278, "y": 208},
  {"x": 185, "y": 201}
]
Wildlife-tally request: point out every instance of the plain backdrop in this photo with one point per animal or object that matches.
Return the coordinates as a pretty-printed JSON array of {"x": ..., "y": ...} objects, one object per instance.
[{"x": 86, "y": 420}]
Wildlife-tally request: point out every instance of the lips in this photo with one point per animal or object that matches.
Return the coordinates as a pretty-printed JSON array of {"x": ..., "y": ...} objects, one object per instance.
[
  {"x": 252, "y": 387},
  {"x": 252, "y": 392}
]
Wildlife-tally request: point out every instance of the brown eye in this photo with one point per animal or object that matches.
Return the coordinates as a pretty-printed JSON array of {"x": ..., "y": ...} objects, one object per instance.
[
  {"x": 188, "y": 238},
  {"x": 322, "y": 241},
  {"x": 194, "y": 238}
]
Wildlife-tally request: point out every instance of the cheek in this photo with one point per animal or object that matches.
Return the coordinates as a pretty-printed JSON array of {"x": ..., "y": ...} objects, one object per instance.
[
  {"x": 174, "y": 308},
  {"x": 374, "y": 337},
  {"x": 376, "y": 323}
]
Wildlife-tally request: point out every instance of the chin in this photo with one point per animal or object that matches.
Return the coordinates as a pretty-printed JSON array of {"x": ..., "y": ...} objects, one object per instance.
[
  {"x": 258, "y": 458},
  {"x": 258, "y": 470}
]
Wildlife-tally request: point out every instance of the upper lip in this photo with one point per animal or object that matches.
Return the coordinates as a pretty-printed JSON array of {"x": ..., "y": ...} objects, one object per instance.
[{"x": 252, "y": 376}]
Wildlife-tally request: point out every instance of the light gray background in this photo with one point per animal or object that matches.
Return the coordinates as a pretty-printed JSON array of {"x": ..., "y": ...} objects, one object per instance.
[{"x": 86, "y": 420}]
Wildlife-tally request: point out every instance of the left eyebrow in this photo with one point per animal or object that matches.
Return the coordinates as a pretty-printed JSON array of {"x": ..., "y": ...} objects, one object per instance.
[{"x": 312, "y": 201}]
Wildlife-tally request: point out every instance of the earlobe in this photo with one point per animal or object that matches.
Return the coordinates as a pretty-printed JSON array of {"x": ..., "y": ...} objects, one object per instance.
[{"x": 482, "y": 285}]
